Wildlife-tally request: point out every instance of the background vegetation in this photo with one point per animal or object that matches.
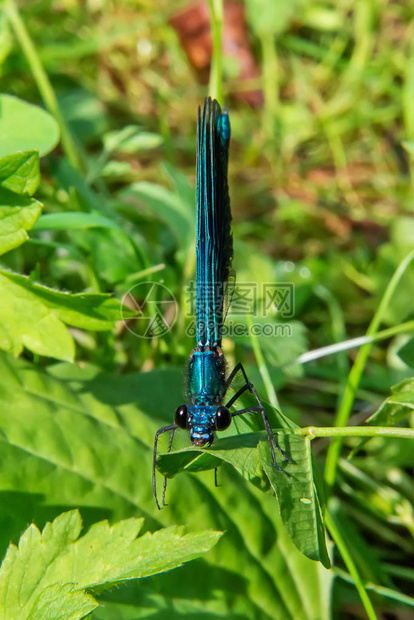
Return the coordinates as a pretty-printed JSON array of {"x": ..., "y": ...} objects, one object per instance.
[{"x": 322, "y": 188}]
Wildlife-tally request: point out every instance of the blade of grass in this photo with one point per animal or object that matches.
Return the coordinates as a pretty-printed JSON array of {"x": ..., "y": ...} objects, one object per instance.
[
  {"x": 381, "y": 590},
  {"x": 216, "y": 73},
  {"x": 349, "y": 563},
  {"x": 407, "y": 100},
  {"x": 384, "y": 334},
  {"x": 41, "y": 79}
]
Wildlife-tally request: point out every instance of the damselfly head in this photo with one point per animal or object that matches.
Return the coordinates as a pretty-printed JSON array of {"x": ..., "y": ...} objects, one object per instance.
[
  {"x": 201, "y": 436},
  {"x": 202, "y": 421}
]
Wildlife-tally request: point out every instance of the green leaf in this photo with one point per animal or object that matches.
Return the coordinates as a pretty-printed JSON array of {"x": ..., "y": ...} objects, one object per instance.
[
  {"x": 77, "y": 436},
  {"x": 19, "y": 177},
  {"x": 73, "y": 221},
  {"x": 104, "y": 556},
  {"x": 131, "y": 139},
  {"x": 297, "y": 495},
  {"x": 25, "y": 321},
  {"x": 272, "y": 17},
  {"x": 25, "y": 127},
  {"x": 115, "y": 169},
  {"x": 61, "y": 602},
  {"x": 17, "y": 215},
  {"x": 393, "y": 410},
  {"x": 34, "y": 316},
  {"x": 20, "y": 172},
  {"x": 406, "y": 353},
  {"x": 396, "y": 407}
]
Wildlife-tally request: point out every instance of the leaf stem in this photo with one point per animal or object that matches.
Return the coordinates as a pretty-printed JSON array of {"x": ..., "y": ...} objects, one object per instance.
[
  {"x": 350, "y": 431},
  {"x": 42, "y": 80}
]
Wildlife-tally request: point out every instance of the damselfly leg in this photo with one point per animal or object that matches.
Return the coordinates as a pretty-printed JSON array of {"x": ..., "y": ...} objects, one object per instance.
[
  {"x": 172, "y": 428},
  {"x": 259, "y": 408}
]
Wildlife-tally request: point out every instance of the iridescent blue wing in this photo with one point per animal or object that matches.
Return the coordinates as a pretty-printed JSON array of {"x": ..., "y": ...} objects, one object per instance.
[{"x": 214, "y": 244}]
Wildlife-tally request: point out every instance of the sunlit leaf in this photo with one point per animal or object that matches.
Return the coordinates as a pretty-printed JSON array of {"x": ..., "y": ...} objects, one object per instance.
[
  {"x": 18, "y": 213},
  {"x": 25, "y": 127},
  {"x": 19, "y": 177},
  {"x": 49, "y": 310},
  {"x": 19, "y": 172}
]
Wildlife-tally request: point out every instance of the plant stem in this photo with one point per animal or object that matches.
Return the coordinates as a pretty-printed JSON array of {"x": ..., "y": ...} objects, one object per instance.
[
  {"x": 357, "y": 370},
  {"x": 351, "y": 431},
  {"x": 216, "y": 73},
  {"x": 42, "y": 80}
]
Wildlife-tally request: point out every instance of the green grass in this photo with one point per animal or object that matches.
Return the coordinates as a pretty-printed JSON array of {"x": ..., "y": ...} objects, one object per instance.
[{"x": 321, "y": 184}]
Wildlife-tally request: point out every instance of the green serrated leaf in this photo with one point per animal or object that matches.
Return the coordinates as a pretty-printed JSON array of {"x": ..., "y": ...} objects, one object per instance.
[
  {"x": 106, "y": 555},
  {"x": 25, "y": 127},
  {"x": 20, "y": 172},
  {"x": 61, "y": 602},
  {"x": 45, "y": 333}
]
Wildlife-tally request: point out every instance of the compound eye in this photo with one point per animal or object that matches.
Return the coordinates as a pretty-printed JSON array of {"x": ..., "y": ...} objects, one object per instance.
[
  {"x": 181, "y": 416},
  {"x": 223, "y": 418}
]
